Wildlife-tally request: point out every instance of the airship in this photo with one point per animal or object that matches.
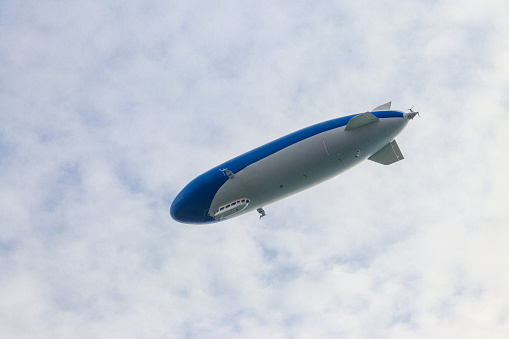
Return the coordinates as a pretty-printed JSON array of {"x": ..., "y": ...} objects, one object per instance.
[{"x": 290, "y": 164}]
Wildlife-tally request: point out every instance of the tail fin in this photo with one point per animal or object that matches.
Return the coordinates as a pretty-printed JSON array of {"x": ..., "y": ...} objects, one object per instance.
[
  {"x": 389, "y": 154},
  {"x": 384, "y": 107},
  {"x": 360, "y": 120}
]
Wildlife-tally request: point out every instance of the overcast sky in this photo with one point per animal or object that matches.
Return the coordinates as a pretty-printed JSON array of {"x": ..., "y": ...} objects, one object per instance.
[{"x": 108, "y": 109}]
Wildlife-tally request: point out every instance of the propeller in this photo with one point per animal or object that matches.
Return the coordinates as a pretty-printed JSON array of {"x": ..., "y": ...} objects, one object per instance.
[{"x": 412, "y": 111}]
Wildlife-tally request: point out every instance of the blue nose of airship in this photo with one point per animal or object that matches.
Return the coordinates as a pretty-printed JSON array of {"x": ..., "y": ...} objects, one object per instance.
[{"x": 192, "y": 204}]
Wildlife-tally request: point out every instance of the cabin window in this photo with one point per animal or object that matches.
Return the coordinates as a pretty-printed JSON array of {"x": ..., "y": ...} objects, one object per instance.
[
  {"x": 222, "y": 208},
  {"x": 234, "y": 203},
  {"x": 243, "y": 200},
  {"x": 247, "y": 201},
  {"x": 227, "y": 206}
]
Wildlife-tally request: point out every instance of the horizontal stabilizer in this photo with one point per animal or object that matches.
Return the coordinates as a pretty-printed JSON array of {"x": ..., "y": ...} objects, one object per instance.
[
  {"x": 360, "y": 120},
  {"x": 388, "y": 155},
  {"x": 384, "y": 107}
]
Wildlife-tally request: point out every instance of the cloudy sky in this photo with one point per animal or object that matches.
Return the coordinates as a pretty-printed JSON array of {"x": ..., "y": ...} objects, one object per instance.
[{"x": 109, "y": 108}]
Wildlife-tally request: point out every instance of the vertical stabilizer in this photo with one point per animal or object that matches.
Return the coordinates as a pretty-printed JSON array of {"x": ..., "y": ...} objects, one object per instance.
[
  {"x": 384, "y": 107},
  {"x": 388, "y": 155}
]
